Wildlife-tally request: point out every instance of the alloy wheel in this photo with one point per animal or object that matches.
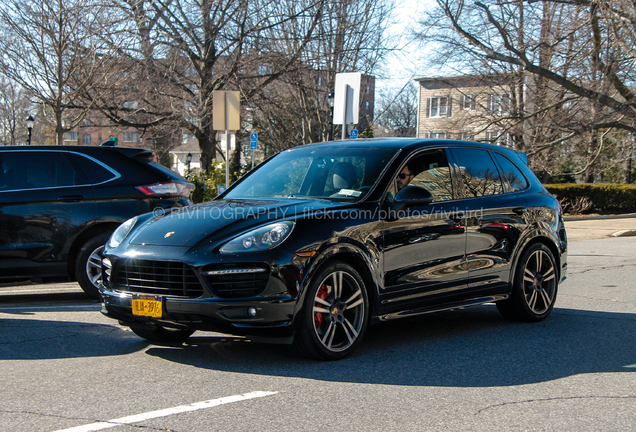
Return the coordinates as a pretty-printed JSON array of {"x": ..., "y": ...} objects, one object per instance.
[
  {"x": 539, "y": 282},
  {"x": 94, "y": 266},
  {"x": 339, "y": 311}
]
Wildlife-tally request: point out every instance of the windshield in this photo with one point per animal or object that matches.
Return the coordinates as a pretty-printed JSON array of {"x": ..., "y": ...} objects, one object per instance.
[{"x": 339, "y": 174}]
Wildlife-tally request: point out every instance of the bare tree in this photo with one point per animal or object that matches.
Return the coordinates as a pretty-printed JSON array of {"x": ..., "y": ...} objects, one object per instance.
[
  {"x": 183, "y": 50},
  {"x": 573, "y": 62},
  {"x": 14, "y": 109},
  {"x": 398, "y": 111},
  {"x": 58, "y": 50}
]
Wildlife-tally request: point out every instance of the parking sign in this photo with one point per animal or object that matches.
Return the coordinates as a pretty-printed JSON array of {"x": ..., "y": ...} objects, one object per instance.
[
  {"x": 253, "y": 140},
  {"x": 354, "y": 134}
]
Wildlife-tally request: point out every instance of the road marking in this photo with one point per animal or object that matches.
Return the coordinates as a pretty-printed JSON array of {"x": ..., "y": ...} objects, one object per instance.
[
  {"x": 40, "y": 290},
  {"x": 168, "y": 411}
]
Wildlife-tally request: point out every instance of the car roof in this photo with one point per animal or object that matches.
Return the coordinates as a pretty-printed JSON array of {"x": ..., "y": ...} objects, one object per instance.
[
  {"x": 127, "y": 151},
  {"x": 406, "y": 144}
]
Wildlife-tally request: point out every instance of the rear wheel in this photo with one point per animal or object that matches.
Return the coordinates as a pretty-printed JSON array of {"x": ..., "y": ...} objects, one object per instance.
[
  {"x": 535, "y": 286},
  {"x": 335, "y": 314},
  {"x": 161, "y": 335},
  {"x": 88, "y": 264}
]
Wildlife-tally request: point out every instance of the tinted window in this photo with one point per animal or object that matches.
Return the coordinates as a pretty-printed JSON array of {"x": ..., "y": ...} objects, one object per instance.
[
  {"x": 37, "y": 170},
  {"x": 96, "y": 173},
  {"x": 479, "y": 173},
  {"x": 510, "y": 172}
]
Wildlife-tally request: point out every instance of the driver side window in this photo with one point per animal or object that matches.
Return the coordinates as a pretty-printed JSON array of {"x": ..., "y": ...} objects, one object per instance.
[{"x": 430, "y": 171}]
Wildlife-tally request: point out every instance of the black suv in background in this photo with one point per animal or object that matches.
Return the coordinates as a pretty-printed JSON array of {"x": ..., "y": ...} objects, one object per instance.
[{"x": 60, "y": 204}]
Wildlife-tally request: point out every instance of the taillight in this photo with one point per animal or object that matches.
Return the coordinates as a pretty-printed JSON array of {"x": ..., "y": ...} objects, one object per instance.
[{"x": 166, "y": 188}]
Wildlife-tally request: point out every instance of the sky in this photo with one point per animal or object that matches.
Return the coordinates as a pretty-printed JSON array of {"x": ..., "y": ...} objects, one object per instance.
[{"x": 410, "y": 62}]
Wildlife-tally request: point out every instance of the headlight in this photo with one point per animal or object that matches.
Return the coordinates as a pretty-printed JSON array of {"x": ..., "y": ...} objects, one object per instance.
[
  {"x": 260, "y": 239},
  {"x": 120, "y": 233}
]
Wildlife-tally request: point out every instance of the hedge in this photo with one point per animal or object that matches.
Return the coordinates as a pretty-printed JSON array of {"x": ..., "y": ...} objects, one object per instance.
[{"x": 603, "y": 197}]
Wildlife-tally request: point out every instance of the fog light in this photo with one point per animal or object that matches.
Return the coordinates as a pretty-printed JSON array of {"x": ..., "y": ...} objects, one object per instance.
[{"x": 251, "y": 311}]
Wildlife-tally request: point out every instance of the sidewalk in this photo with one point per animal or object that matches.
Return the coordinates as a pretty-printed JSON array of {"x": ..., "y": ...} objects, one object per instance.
[{"x": 588, "y": 228}]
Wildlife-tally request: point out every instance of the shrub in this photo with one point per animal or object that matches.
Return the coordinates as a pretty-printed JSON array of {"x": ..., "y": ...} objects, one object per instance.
[
  {"x": 206, "y": 183},
  {"x": 604, "y": 197}
]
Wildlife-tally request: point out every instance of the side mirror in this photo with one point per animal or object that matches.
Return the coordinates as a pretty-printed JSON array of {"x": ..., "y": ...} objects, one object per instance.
[{"x": 411, "y": 196}]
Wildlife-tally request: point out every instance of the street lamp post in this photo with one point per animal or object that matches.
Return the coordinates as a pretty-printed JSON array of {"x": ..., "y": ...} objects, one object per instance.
[
  {"x": 330, "y": 100},
  {"x": 188, "y": 161},
  {"x": 30, "y": 122}
]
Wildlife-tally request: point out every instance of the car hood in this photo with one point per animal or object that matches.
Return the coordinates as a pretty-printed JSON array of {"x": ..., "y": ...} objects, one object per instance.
[{"x": 221, "y": 220}]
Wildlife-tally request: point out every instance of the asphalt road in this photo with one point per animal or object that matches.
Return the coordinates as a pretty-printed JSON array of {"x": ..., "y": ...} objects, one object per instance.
[{"x": 63, "y": 365}]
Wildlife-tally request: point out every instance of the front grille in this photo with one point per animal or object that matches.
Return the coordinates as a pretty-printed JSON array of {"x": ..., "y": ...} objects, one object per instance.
[
  {"x": 156, "y": 277},
  {"x": 232, "y": 281}
]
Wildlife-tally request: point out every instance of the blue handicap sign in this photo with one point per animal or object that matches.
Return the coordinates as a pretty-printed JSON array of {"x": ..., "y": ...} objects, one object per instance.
[
  {"x": 253, "y": 140},
  {"x": 354, "y": 134}
]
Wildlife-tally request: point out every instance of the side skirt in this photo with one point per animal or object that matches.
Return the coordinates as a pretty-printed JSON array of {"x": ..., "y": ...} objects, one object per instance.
[{"x": 443, "y": 307}]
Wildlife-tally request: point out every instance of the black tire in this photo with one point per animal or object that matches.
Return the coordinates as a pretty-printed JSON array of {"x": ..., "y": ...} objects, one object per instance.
[
  {"x": 534, "y": 289},
  {"x": 88, "y": 265},
  {"x": 162, "y": 335},
  {"x": 335, "y": 314}
]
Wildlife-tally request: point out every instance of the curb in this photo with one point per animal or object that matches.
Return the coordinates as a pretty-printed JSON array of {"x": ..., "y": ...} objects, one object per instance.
[
  {"x": 624, "y": 233},
  {"x": 583, "y": 218}
]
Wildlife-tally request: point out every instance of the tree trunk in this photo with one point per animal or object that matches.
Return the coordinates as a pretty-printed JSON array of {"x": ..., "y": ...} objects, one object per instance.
[{"x": 589, "y": 172}]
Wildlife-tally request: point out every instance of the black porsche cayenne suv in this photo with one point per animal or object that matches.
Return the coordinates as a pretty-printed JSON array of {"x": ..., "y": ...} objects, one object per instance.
[
  {"x": 60, "y": 204},
  {"x": 322, "y": 240}
]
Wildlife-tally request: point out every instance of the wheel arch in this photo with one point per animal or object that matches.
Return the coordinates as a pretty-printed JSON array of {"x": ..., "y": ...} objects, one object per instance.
[
  {"x": 92, "y": 231},
  {"x": 546, "y": 241},
  {"x": 348, "y": 254}
]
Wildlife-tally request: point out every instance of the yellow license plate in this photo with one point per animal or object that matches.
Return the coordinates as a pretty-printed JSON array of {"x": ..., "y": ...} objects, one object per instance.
[{"x": 147, "y": 305}]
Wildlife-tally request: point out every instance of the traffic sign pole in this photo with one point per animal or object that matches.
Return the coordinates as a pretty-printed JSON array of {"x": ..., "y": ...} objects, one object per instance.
[{"x": 253, "y": 145}]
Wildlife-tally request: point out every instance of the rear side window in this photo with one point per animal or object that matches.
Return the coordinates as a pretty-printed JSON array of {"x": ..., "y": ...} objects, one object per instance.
[
  {"x": 96, "y": 172},
  {"x": 38, "y": 170},
  {"x": 511, "y": 173},
  {"x": 478, "y": 171}
]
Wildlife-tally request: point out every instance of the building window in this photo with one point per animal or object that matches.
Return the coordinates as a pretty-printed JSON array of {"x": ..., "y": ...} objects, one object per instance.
[
  {"x": 467, "y": 135},
  {"x": 499, "y": 103},
  {"x": 99, "y": 137},
  {"x": 70, "y": 136},
  {"x": 367, "y": 105},
  {"x": 86, "y": 139},
  {"x": 498, "y": 137},
  {"x": 131, "y": 136},
  {"x": 437, "y": 134},
  {"x": 467, "y": 102},
  {"x": 439, "y": 106},
  {"x": 368, "y": 89}
]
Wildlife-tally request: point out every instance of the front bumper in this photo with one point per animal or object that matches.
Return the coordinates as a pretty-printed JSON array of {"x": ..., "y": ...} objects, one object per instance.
[{"x": 273, "y": 319}]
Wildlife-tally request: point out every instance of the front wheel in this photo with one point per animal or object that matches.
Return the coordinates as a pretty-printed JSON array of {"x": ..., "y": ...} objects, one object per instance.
[
  {"x": 335, "y": 314},
  {"x": 161, "y": 335},
  {"x": 88, "y": 265},
  {"x": 535, "y": 286}
]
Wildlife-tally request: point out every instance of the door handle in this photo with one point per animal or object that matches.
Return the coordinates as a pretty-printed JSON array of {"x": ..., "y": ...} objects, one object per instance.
[{"x": 70, "y": 198}]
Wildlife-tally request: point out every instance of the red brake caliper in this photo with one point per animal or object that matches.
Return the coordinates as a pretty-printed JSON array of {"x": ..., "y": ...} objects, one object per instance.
[{"x": 323, "y": 292}]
